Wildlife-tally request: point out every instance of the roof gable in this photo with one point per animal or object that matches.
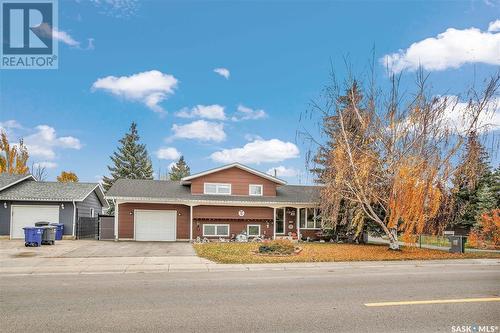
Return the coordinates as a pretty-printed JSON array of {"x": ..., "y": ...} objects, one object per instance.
[
  {"x": 7, "y": 180},
  {"x": 52, "y": 191},
  {"x": 187, "y": 180}
]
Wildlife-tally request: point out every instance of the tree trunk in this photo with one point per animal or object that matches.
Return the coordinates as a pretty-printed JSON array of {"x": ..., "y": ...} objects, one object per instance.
[
  {"x": 393, "y": 236},
  {"x": 393, "y": 240}
]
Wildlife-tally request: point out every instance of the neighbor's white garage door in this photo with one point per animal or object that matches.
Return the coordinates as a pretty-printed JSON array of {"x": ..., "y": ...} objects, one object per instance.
[
  {"x": 155, "y": 225},
  {"x": 23, "y": 216}
]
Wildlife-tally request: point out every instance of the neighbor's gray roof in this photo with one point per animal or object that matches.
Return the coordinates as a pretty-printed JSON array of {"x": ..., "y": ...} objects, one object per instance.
[
  {"x": 48, "y": 191},
  {"x": 163, "y": 190},
  {"x": 7, "y": 180}
]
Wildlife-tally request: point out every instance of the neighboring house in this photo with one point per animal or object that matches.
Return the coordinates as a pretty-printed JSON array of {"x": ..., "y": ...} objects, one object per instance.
[
  {"x": 24, "y": 201},
  {"x": 221, "y": 202}
]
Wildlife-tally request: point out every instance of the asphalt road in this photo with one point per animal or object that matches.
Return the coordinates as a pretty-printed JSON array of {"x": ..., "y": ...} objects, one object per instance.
[{"x": 259, "y": 301}]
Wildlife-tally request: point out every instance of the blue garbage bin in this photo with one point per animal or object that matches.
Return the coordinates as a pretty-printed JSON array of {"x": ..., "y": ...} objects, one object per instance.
[
  {"x": 59, "y": 230},
  {"x": 33, "y": 236}
]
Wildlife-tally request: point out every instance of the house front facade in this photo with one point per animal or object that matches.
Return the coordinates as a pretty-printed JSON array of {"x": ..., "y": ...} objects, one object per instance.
[{"x": 218, "y": 203}]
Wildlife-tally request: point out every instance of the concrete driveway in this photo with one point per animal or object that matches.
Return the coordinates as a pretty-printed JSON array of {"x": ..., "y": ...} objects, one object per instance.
[{"x": 96, "y": 249}]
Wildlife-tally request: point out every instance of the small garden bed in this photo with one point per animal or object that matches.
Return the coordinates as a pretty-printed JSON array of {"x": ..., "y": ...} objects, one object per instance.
[
  {"x": 245, "y": 253},
  {"x": 277, "y": 248}
]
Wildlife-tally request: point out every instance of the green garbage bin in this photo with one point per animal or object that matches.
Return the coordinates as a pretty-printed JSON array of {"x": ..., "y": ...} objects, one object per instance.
[{"x": 49, "y": 233}]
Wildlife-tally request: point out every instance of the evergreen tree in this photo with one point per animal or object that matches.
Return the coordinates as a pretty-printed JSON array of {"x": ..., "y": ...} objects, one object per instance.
[
  {"x": 349, "y": 216},
  {"x": 179, "y": 170},
  {"x": 130, "y": 161},
  {"x": 486, "y": 200},
  {"x": 471, "y": 191},
  {"x": 495, "y": 186}
]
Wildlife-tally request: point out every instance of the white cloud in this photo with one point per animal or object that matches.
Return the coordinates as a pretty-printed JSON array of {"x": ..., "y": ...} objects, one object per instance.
[
  {"x": 282, "y": 171},
  {"x": 149, "y": 88},
  {"x": 117, "y": 8},
  {"x": 450, "y": 49},
  {"x": 223, "y": 72},
  {"x": 246, "y": 113},
  {"x": 58, "y": 35},
  {"x": 258, "y": 151},
  {"x": 201, "y": 130},
  {"x": 494, "y": 26},
  {"x": 45, "y": 164},
  {"x": 9, "y": 125},
  {"x": 214, "y": 111},
  {"x": 44, "y": 141},
  {"x": 65, "y": 37},
  {"x": 455, "y": 117},
  {"x": 168, "y": 153},
  {"x": 252, "y": 137}
]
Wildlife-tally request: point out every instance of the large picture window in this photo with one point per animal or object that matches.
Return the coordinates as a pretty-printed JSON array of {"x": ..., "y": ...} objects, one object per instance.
[
  {"x": 217, "y": 188},
  {"x": 218, "y": 230},
  {"x": 310, "y": 218}
]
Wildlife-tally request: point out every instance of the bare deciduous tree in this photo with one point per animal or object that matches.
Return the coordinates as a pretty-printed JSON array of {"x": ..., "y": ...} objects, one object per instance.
[
  {"x": 388, "y": 159},
  {"x": 38, "y": 171}
]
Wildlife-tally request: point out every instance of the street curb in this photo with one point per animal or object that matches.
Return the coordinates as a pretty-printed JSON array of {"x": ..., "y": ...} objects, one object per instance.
[{"x": 213, "y": 267}]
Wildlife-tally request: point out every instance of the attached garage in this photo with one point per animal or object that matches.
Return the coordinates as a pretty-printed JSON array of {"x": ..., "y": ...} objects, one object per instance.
[
  {"x": 23, "y": 216},
  {"x": 155, "y": 225}
]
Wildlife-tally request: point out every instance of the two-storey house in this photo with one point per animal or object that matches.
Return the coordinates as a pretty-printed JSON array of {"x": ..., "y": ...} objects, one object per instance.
[{"x": 217, "y": 203}]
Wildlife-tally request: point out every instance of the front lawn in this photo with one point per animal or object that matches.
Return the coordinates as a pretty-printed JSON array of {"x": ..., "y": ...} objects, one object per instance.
[{"x": 241, "y": 253}]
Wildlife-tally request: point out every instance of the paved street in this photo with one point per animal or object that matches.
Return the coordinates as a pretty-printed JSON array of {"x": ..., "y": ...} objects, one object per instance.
[{"x": 301, "y": 300}]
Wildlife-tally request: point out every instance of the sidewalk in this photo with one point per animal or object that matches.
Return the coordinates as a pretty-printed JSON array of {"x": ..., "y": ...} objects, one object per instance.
[{"x": 171, "y": 264}]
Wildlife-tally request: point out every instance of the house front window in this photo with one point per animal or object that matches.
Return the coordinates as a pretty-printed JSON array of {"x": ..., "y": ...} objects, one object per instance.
[
  {"x": 217, "y": 188},
  {"x": 255, "y": 190},
  {"x": 253, "y": 230},
  {"x": 310, "y": 218},
  {"x": 218, "y": 230}
]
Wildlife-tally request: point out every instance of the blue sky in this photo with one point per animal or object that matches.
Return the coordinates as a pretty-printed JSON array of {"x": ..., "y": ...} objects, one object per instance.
[{"x": 153, "y": 62}]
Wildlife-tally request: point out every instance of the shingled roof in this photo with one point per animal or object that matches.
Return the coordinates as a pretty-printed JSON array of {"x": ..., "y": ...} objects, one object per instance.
[
  {"x": 174, "y": 191},
  {"x": 7, "y": 180},
  {"x": 51, "y": 191}
]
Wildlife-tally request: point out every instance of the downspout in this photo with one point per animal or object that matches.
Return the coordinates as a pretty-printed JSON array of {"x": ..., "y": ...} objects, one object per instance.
[
  {"x": 116, "y": 220},
  {"x": 74, "y": 219}
]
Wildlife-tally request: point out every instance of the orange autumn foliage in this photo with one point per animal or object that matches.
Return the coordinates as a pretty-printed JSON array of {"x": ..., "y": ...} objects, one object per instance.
[
  {"x": 415, "y": 197},
  {"x": 487, "y": 235},
  {"x": 13, "y": 158}
]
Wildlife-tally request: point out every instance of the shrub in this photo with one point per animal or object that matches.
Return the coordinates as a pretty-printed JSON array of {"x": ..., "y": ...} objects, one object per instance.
[{"x": 277, "y": 247}]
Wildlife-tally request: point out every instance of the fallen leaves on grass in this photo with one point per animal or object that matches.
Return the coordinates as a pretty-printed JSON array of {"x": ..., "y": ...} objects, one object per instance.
[{"x": 242, "y": 253}]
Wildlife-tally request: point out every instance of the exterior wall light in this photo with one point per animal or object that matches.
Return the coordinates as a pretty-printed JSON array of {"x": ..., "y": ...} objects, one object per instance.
[
  {"x": 5, "y": 205},
  {"x": 62, "y": 206}
]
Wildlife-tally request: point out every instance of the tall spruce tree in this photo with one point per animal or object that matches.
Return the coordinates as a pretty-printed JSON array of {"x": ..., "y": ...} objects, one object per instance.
[
  {"x": 131, "y": 161},
  {"x": 179, "y": 170},
  {"x": 472, "y": 179}
]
